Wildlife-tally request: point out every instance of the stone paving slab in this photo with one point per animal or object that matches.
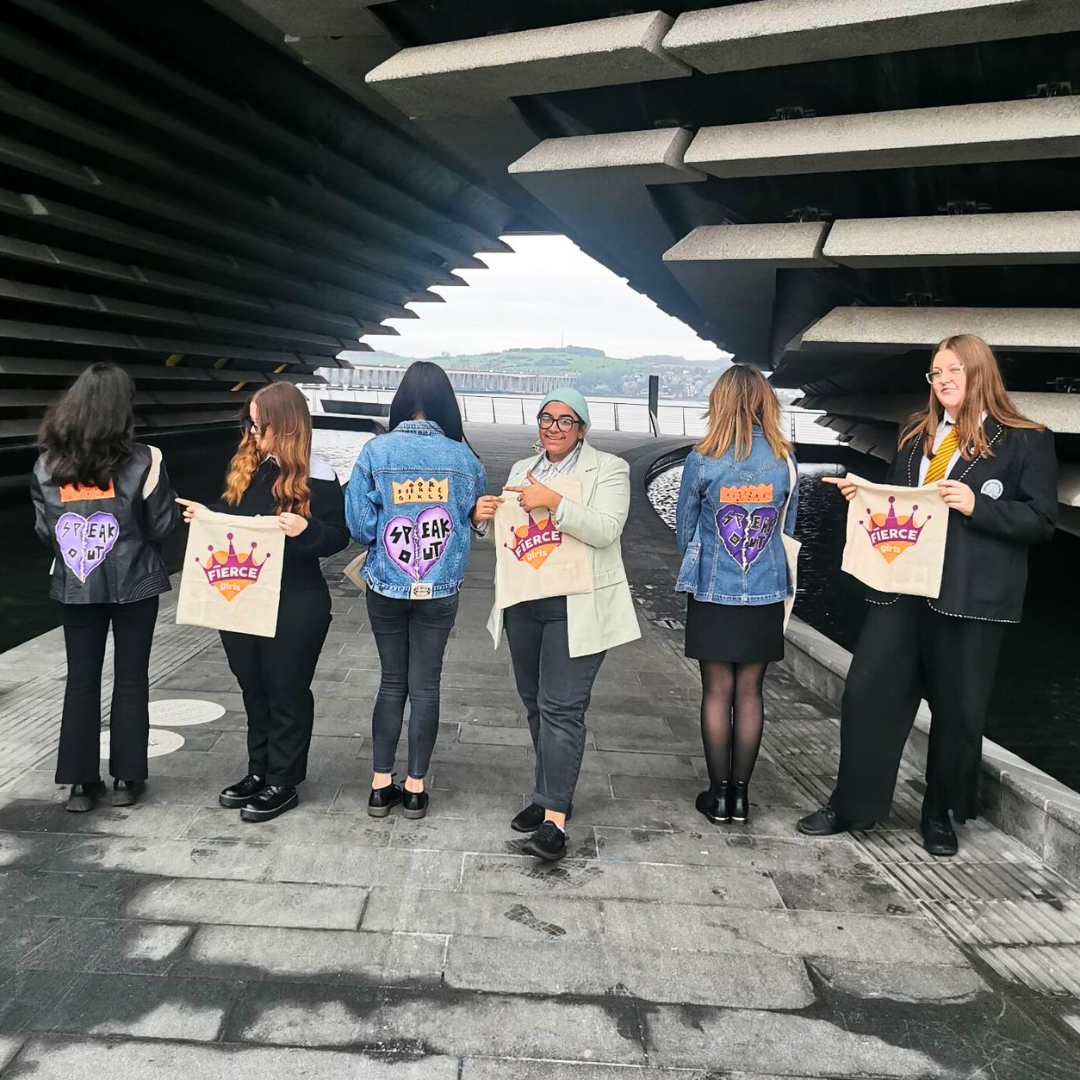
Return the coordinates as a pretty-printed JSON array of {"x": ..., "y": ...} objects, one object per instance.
[{"x": 171, "y": 939}]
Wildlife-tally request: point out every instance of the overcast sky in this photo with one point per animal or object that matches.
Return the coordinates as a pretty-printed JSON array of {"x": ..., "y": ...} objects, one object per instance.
[{"x": 547, "y": 293}]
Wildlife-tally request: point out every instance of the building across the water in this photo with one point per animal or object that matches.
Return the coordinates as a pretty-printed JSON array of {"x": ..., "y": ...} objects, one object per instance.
[{"x": 387, "y": 377}]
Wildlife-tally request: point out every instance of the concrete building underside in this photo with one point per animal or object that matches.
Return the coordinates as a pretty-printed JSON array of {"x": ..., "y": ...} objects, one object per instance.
[{"x": 230, "y": 191}]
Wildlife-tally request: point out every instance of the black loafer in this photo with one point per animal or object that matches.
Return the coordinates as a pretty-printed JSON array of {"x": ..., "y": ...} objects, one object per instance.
[
  {"x": 713, "y": 803},
  {"x": 127, "y": 792},
  {"x": 414, "y": 803},
  {"x": 241, "y": 794},
  {"x": 532, "y": 817},
  {"x": 83, "y": 796},
  {"x": 274, "y": 799},
  {"x": 939, "y": 838},
  {"x": 382, "y": 800},
  {"x": 547, "y": 843},
  {"x": 828, "y": 822}
]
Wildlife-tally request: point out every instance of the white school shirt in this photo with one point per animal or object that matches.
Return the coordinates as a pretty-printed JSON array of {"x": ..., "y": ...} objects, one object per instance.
[{"x": 946, "y": 425}]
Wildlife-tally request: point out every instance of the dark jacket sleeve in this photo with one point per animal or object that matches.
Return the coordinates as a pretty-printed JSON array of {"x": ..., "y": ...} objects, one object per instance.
[
  {"x": 162, "y": 511},
  {"x": 41, "y": 521},
  {"x": 896, "y": 473},
  {"x": 327, "y": 532},
  {"x": 1029, "y": 517}
]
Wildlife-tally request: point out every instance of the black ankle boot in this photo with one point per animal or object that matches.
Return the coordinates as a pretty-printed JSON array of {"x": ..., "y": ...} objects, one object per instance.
[
  {"x": 714, "y": 802},
  {"x": 740, "y": 802}
]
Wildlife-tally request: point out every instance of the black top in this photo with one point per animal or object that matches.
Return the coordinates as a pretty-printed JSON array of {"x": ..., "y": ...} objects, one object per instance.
[
  {"x": 326, "y": 533},
  {"x": 986, "y": 555}
]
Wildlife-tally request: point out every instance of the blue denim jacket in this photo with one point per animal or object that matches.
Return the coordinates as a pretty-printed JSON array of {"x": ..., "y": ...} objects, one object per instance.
[
  {"x": 408, "y": 502},
  {"x": 727, "y": 526}
]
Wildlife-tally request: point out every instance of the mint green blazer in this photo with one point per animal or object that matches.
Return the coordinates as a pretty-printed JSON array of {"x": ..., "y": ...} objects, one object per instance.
[{"x": 604, "y": 618}]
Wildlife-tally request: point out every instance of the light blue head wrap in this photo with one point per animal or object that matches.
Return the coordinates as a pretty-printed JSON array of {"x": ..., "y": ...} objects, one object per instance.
[{"x": 568, "y": 396}]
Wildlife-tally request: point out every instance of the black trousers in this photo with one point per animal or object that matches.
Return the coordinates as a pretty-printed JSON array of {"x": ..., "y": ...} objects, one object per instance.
[
  {"x": 86, "y": 628},
  {"x": 555, "y": 689},
  {"x": 275, "y": 676},
  {"x": 907, "y": 651}
]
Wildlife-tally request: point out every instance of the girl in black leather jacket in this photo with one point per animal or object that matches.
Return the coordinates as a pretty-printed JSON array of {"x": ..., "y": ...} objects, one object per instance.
[{"x": 103, "y": 503}]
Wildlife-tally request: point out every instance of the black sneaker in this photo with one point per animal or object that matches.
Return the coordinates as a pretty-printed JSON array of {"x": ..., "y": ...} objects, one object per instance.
[
  {"x": 828, "y": 822},
  {"x": 382, "y": 800},
  {"x": 532, "y": 817},
  {"x": 241, "y": 793},
  {"x": 415, "y": 803},
  {"x": 127, "y": 792},
  {"x": 547, "y": 843},
  {"x": 271, "y": 801},
  {"x": 83, "y": 796}
]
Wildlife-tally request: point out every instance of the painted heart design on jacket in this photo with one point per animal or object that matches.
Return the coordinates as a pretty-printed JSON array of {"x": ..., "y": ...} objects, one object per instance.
[
  {"x": 85, "y": 541},
  {"x": 746, "y": 531},
  {"x": 415, "y": 547}
]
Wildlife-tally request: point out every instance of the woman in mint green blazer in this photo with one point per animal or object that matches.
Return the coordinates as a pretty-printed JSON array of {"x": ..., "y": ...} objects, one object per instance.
[{"x": 558, "y": 644}]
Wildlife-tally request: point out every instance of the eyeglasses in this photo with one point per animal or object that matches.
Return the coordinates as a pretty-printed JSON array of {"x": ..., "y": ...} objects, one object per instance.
[
  {"x": 951, "y": 375},
  {"x": 563, "y": 423},
  {"x": 250, "y": 426}
]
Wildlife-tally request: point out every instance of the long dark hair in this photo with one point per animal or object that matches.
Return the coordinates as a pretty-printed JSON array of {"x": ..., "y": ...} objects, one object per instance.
[
  {"x": 87, "y": 434},
  {"x": 425, "y": 390}
]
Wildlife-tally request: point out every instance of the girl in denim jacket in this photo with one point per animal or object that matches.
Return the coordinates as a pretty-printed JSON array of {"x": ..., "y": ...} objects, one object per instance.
[
  {"x": 408, "y": 502},
  {"x": 736, "y": 498}
]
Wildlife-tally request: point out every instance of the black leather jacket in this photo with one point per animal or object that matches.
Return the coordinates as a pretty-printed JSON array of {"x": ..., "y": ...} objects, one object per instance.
[{"x": 107, "y": 543}]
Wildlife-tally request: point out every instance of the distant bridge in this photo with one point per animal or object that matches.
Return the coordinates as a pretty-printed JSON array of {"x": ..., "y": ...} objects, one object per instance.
[{"x": 384, "y": 377}]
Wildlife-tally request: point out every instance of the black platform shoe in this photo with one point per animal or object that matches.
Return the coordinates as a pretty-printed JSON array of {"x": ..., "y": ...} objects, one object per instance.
[
  {"x": 274, "y": 799},
  {"x": 240, "y": 794},
  {"x": 414, "y": 803},
  {"x": 83, "y": 796},
  {"x": 939, "y": 838},
  {"x": 382, "y": 800},
  {"x": 713, "y": 802},
  {"x": 740, "y": 802},
  {"x": 547, "y": 843},
  {"x": 532, "y": 817},
  {"x": 828, "y": 822},
  {"x": 127, "y": 792}
]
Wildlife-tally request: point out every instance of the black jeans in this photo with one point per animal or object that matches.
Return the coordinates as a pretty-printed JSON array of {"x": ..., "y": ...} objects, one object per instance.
[
  {"x": 555, "y": 689},
  {"x": 907, "y": 651},
  {"x": 275, "y": 676},
  {"x": 411, "y": 637},
  {"x": 86, "y": 627}
]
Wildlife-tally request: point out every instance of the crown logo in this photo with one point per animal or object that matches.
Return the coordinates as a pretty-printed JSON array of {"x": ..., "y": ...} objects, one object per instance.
[
  {"x": 747, "y": 494},
  {"x": 229, "y": 572},
  {"x": 534, "y": 542},
  {"x": 893, "y": 534}
]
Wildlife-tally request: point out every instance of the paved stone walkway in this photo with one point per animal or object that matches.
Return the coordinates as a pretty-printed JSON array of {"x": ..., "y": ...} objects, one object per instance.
[{"x": 173, "y": 940}]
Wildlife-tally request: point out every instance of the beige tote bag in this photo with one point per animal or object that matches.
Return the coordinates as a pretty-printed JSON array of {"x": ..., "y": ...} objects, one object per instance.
[
  {"x": 792, "y": 547},
  {"x": 533, "y": 560},
  {"x": 232, "y": 573},
  {"x": 896, "y": 538}
]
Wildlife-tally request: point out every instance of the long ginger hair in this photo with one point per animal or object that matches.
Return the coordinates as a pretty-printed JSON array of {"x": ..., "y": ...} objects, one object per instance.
[
  {"x": 742, "y": 399},
  {"x": 282, "y": 408},
  {"x": 985, "y": 393}
]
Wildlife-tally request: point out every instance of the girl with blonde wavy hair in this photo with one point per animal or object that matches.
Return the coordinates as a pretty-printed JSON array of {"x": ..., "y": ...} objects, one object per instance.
[
  {"x": 738, "y": 495},
  {"x": 273, "y": 473}
]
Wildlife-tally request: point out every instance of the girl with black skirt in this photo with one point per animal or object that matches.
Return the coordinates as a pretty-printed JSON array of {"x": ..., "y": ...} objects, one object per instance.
[
  {"x": 738, "y": 493},
  {"x": 273, "y": 472}
]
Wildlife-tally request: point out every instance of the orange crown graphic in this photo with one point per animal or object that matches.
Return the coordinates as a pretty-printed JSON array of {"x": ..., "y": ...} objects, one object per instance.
[
  {"x": 747, "y": 493},
  {"x": 534, "y": 542},
  {"x": 230, "y": 573},
  {"x": 893, "y": 534}
]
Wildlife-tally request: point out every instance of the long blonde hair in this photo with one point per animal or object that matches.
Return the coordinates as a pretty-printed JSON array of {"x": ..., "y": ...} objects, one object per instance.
[
  {"x": 741, "y": 399},
  {"x": 985, "y": 393},
  {"x": 281, "y": 407}
]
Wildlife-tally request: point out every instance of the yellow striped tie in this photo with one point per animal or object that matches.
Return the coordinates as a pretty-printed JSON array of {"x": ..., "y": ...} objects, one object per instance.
[{"x": 939, "y": 463}]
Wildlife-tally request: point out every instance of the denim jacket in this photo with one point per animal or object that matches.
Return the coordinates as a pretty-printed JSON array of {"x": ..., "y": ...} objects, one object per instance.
[
  {"x": 726, "y": 526},
  {"x": 408, "y": 502}
]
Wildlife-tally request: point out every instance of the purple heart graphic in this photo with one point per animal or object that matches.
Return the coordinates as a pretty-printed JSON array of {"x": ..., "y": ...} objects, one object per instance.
[
  {"x": 433, "y": 528},
  {"x": 398, "y": 540},
  {"x": 746, "y": 531},
  {"x": 85, "y": 541}
]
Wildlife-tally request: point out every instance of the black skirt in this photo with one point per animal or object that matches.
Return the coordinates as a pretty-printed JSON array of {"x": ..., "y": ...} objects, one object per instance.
[{"x": 734, "y": 633}]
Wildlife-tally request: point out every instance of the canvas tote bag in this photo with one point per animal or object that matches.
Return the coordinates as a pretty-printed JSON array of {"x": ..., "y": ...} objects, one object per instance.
[
  {"x": 791, "y": 545},
  {"x": 533, "y": 560},
  {"x": 232, "y": 573},
  {"x": 896, "y": 538}
]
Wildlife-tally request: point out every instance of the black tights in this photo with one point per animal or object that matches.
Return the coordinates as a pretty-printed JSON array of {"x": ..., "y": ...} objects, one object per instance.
[{"x": 732, "y": 717}]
